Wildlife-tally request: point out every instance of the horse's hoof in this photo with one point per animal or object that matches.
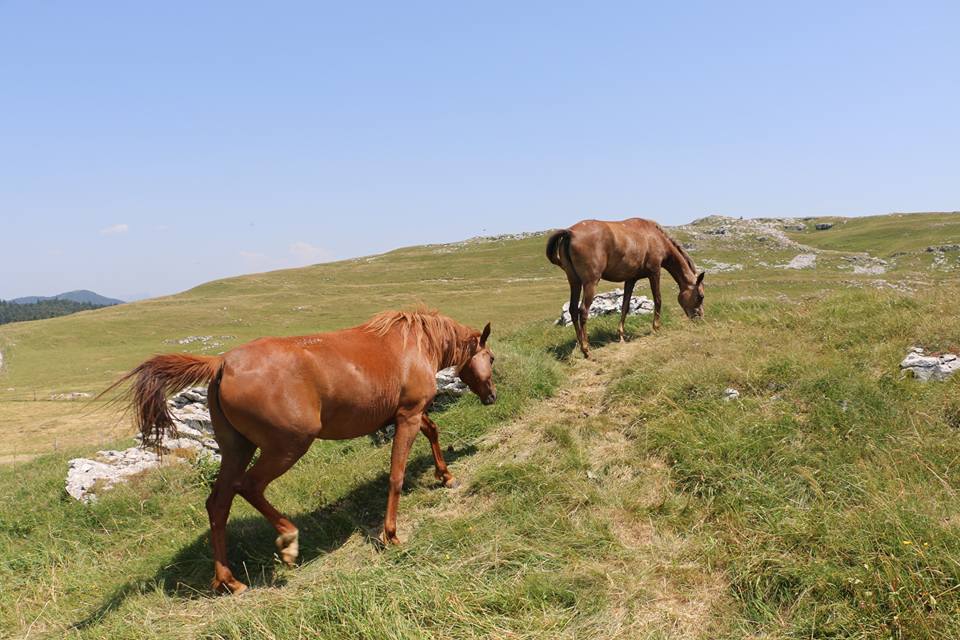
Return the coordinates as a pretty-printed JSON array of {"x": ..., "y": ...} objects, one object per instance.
[
  {"x": 289, "y": 547},
  {"x": 229, "y": 587},
  {"x": 390, "y": 539},
  {"x": 451, "y": 482}
]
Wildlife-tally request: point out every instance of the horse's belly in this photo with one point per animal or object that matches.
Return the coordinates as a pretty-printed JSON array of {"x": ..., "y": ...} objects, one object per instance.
[{"x": 354, "y": 419}]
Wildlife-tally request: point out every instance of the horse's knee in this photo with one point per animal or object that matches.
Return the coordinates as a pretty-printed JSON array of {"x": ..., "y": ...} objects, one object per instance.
[{"x": 396, "y": 485}]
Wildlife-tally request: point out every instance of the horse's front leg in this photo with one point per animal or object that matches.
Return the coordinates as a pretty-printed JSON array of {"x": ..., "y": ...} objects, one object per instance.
[
  {"x": 655, "y": 291},
  {"x": 429, "y": 429},
  {"x": 627, "y": 294},
  {"x": 408, "y": 426}
]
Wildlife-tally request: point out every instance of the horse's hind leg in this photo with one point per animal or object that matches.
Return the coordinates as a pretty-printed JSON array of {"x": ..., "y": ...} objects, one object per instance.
[
  {"x": 269, "y": 466},
  {"x": 429, "y": 429},
  {"x": 589, "y": 288},
  {"x": 627, "y": 294},
  {"x": 574, "y": 307},
  {"x": 236, "y": 452}
]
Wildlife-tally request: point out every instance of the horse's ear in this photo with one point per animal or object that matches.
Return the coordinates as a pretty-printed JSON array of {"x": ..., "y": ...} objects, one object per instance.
[
  {"x": 700, "y": 278},
  {"x": 484, "y": 336}
]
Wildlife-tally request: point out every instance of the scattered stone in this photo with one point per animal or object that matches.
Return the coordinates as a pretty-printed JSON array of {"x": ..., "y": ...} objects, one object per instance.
[
  {"x": 936, "y": 366},
  {"x": 944, "y": 247},
  {"x": 864, "y": 264},
  {"x": 85, "y": 476},
  {"x": 794, "y": 227},
  {"x": 720, "y": 267},
  {"x": 730, "y": 394},
  {"x": 801, "y": 261},
  {"x": 823, "y": 226},
  {"x": 73, "y": 395},
  {"x": 607, "y": 303},
  {"x": 205, "y": 341}
]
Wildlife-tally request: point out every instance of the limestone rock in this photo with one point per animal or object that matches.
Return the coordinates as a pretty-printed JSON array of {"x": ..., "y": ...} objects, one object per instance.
[
  {"x": 730, "y": 394},
  {"x": 85, "y": 476},
  {"x": 930, "y": 367},
  {"x": 607, "y": 303},
  {"x": 801, "y": 261},
  {"x": 449, "y": 384},
  {"x": 823, "y": 226}
]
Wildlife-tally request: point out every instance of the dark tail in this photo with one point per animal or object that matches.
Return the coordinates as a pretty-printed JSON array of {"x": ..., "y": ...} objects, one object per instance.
[
  {"x": 157, "y": 378},
  {"x": 560, "y": 240},
  {"x": 553, "y": 245}
]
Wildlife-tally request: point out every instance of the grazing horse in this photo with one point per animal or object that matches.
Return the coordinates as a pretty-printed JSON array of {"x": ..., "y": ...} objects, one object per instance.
[
  {"x": 280, "y": 394},
  {"x": 624, "y": 251}
]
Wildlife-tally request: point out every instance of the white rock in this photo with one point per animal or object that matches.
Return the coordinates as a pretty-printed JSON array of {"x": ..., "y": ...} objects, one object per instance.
[
  {"x": 924, "y": 368},
  {"x": 730, "y": 394},
  {"x": 607, "y": 303},
  {"x": 84, "y": 475},
  {"x": 801, "y": 261}
]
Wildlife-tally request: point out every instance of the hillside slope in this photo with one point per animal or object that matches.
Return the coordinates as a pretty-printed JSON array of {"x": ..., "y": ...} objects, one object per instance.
[
  {"x": 503, "y": 280},
  {"x": 623, "y": 497},
  {"x": 618, "y": 498}
]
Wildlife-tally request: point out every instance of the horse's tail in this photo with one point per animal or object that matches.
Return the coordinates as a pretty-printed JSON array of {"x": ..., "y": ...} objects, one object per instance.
[
  {"x": 157, "y": 378},
  {"x": 553, "y": 245},
  {"x": 560, "y": 241}
]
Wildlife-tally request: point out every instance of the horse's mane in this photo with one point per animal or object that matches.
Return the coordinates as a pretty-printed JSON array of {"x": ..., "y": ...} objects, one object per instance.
[
  {"x": 443, "y": 336},
  {"x": 679, "y": 247}
]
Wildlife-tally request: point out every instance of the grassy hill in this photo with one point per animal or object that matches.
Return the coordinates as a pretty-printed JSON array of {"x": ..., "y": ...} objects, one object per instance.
[{"x": 615, "y": 498}]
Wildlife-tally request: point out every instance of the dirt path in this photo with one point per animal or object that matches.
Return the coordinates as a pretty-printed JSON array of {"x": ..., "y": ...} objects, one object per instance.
[{"x": 661, "y": 584}]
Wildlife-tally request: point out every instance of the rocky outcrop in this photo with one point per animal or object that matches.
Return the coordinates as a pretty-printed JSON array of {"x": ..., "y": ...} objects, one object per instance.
[
  {"x": 823, "y": 226},
  {"x": 193, "y": 437},
  {"x": 802, "y": 261},
  {"x": 937, "y": 366},
  {"x": 607, "y": 303}
]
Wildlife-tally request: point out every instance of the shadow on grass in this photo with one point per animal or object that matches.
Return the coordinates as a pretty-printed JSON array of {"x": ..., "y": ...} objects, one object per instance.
[
  {"x": 250, "y": 541},
  {"x": 600, "y": 336}
]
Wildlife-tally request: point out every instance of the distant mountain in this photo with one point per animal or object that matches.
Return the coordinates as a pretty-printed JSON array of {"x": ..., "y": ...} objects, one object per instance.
[{"x": 81, "y": 295}]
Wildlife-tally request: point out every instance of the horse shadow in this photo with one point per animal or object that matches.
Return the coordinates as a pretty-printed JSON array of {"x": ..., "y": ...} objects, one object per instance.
[
  {"x": 250, "y": 541},
  {"x": 600, "y": 336}
]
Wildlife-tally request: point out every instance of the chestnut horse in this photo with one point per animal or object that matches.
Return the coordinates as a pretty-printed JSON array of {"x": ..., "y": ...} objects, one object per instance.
[
  {"x": 624, "y": 251},
  {"x": 280, "y": 394}
]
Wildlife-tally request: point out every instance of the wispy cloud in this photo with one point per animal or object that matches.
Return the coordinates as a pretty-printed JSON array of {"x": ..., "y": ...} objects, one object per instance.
[
  {"x": 253, "y": 256},
  {"x": 306, "y": 253},
  {"x": 114, "y": 230}
]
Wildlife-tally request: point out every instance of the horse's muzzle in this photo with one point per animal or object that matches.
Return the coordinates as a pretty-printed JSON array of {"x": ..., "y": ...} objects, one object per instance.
[{"x": 490, "y": 399}]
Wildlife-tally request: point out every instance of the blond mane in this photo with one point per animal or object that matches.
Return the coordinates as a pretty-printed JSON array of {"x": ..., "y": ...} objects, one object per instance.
[{"x": 447, "y": 341}]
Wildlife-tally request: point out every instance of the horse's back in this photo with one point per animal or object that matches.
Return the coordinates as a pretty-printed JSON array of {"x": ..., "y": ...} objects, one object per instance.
[
  {"x": 332, "y": 385},
  {"x": 617, "y": 250}
]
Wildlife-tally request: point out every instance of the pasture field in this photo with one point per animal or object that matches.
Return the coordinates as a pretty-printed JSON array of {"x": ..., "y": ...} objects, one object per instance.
[{"x": 621, "y": 497}]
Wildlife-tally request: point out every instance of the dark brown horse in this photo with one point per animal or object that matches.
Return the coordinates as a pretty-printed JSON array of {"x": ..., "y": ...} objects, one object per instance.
[
  {"x": 624, "y": 251},
  {"x": 280, "y": 394}
]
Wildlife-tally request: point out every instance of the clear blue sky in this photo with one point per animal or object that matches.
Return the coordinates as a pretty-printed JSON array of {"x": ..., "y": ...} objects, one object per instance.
[{"x": 148, "y": 147}]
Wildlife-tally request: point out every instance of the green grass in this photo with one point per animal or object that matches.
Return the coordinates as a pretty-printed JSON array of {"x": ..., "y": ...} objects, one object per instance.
[
  {"x": 884, "y": 236},
  {"x": 620, "y": 498}
]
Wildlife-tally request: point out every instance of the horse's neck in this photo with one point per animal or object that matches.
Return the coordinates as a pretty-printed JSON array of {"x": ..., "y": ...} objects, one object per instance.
[
  {"x": 456, "y": 351},
  {"x": 677, "y": 266}
]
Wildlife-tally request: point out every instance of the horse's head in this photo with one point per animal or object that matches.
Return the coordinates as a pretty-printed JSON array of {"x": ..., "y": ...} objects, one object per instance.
[
  {"x": 691, "y": 298},
  {"x": 478, "y": 371}
]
